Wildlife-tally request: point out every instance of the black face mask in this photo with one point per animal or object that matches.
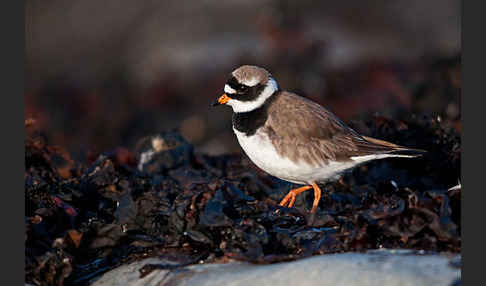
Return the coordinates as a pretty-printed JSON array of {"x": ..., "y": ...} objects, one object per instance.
[{"x": 244, "y": 92}]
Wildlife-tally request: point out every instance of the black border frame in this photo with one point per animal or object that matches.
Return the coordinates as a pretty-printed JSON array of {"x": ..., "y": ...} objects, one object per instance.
[{"x": 12, "y": 211}]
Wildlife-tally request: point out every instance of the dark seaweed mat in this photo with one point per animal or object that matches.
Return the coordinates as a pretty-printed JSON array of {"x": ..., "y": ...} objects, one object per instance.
[{"x": 84, "y": 220}]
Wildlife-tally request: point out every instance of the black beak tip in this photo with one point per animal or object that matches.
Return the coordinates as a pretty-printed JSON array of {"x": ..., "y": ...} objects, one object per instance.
[{"x": 215, "y": 103}]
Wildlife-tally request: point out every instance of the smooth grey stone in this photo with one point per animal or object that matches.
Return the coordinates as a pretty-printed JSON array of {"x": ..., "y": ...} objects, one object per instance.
[{"x": 379, "y": 267}]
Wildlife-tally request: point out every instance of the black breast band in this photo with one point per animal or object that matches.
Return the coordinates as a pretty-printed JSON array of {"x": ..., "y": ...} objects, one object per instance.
[{"x": 249, "y": 122}]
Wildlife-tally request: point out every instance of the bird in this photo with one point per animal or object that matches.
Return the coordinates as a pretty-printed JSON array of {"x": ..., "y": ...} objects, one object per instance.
[{"x": 293, "y": 138}]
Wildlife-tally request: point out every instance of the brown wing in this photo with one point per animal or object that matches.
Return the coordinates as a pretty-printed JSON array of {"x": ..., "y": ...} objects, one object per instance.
[{"x": 302, "y": 129}]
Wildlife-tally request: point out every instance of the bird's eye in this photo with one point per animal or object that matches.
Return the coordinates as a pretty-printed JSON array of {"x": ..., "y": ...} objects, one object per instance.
[{"x": 243, "y": 87}]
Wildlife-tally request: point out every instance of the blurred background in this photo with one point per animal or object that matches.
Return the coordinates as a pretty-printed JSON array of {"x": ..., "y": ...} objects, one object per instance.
[{"x": 103, "y": 74}]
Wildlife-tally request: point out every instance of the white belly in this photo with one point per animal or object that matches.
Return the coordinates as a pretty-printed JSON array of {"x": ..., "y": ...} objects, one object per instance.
[{"x": 261, "y": 152}]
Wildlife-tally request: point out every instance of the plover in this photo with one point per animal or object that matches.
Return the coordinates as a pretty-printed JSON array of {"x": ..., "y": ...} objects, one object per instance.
[{"x": 294, "y": 138}]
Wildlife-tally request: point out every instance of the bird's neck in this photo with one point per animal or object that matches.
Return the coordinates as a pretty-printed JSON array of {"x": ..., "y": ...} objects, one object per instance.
[{"x": 249, "y": 122}]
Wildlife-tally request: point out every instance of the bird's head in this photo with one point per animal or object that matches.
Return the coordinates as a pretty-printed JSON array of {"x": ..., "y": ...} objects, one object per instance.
[{"x": 247, "y": 88}]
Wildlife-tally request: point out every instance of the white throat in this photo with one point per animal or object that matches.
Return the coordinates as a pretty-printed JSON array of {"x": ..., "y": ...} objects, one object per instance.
[{"x": 246, "y": 106}]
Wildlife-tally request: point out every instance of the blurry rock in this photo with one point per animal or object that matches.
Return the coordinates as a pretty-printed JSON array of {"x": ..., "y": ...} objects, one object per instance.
[
  {"x": 193, "y": 128},
  {"x": 162, "y": 152}
]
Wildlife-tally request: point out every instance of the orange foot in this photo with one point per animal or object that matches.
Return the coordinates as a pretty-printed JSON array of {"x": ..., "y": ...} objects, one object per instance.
[{"x": 290, "y": 197}]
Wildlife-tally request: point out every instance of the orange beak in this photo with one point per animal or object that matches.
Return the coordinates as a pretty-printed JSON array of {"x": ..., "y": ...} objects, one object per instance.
[{"x": 222, "y": 100}]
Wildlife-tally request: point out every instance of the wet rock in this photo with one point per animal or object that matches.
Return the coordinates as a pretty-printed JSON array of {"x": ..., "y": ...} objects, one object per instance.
[
  {"x": 219, "y": 208},
  {"x": 107, "y": 235},
  {"x": 213, "y": 215}
]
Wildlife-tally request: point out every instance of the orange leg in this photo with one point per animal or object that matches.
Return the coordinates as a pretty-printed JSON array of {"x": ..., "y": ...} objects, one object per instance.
[
  {"x": 292, "y": 195},
  {"x": 317, "y": 197}
]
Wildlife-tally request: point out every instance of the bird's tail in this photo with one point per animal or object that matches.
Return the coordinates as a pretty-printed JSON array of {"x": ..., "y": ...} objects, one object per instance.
[{"x": 384, "y": 147}]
